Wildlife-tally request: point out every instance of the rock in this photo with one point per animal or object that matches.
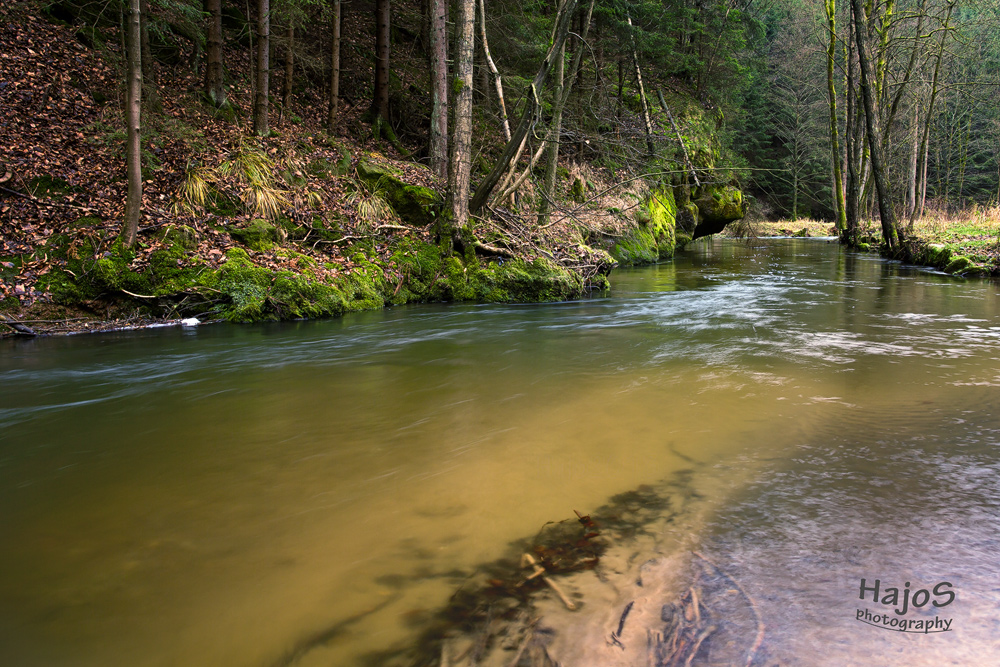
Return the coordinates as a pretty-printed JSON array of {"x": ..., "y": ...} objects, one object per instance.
[
  {"x": 717, "y": 207},
  {"x": 959, "y": 264},
  {"x": 415, "y": 204},
  {"x": 258, "y": 235}
]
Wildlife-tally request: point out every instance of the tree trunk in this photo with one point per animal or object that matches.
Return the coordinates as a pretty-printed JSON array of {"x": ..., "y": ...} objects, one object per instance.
[
  {"x": 647, "y": 121},
  {"x": 148, "y": 74},
  {"x": 851, "y": 195},
  {"x": 133, "y": 156},
  {"x": 552, "y": 140},
  {"x": 890, "y": 234},
  {"x": 838, "y": 176},
  {"x": 439, "y": 87},
  {"x": 461, "y": 158},
  {"x": 493, "y": 69},
  {"x": 380, "y": 101},
  {"x": 260, "y": 107},
  {"x": 532, "y": 104},
  {"x": 331, "y": 120},
  {"x": 918, "y": 211},
  {"x": 214, "y": 86},
  {"x": 286, "y": 90},
  {"x": 911, "y": 175}
]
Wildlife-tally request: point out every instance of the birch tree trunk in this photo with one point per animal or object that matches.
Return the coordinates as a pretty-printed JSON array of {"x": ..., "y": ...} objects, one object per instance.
[
  {"x": 552, "y": 140},
  {"x": 461, "y": 157},
  {"x": 493, "y": 68},
  {"x": 133, "y": 156},
  {"x": 647, "y": 121}
]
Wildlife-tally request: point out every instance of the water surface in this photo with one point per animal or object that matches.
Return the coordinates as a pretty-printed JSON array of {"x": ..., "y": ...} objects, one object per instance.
[{"x": 220, "y": 495}]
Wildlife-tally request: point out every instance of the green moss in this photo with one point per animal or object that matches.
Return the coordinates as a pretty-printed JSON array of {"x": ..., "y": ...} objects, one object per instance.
[
  {"x": 413, "y": 203},
  {"x": 663, "y": 220},
  {"x": 180, "y": 235},
  {"x": 717, "y": 207},
  {"x": 958, "y": 264},
  {"x": 294, "y": 179},
  {"x": 636, "y": 247},
  {"x": 51, "y": 186},
  {"x": 259, "y": 235},
  {"x": 246, "y": 285}
]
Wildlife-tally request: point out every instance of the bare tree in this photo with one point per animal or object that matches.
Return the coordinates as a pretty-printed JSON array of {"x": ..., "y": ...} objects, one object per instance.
[
  {"x": 260, "y": 107},
  {"x": 839, "y": 206},
  {"x": 214, "y": 86},
  {"x": 380, "y": 99},
  {"x": 133, "y": 156},
  {"x": 439, "y": 87},
  {"x": 334, "y": 65},
  {"x": 461, "y": 147},
  {"x": 890, "y": 233},
  {"x": 532, "y": 104}
]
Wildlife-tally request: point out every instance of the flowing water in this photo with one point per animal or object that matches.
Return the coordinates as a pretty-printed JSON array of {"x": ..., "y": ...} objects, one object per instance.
[{"x": 220, "y": 495}]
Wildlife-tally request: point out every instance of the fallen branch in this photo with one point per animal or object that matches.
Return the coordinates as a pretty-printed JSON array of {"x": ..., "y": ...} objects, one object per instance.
[
  {"x": 21, "y": 329},
  {"x": 539, "y": 571},
  {"x": 42, "y": 202}
]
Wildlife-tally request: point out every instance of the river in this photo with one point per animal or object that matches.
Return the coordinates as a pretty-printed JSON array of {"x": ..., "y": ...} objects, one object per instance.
[{"x": 219, "y": 495}]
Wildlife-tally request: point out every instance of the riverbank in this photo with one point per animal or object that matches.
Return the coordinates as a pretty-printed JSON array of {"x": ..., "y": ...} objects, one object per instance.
[
  {"x": 964, "y": 244},
  {"x": 303, "y": 223}
]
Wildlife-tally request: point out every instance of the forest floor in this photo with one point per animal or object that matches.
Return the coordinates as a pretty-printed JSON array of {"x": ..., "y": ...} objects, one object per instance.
[{"x": 63, "y": 186}]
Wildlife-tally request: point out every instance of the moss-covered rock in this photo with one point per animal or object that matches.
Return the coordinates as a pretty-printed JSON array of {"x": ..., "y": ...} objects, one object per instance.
[
  {"x": 180, "y": 235},
  {"x": 415, "y": 204},
  {"x": 958, "y": 264},
  {"x": 935, "y": 254},
  {"x": 258, "y": 235},
  {"x": 663, "y": 220},
  {"x": 717, "y": 207},
  {"x": 636, "y": 247}
]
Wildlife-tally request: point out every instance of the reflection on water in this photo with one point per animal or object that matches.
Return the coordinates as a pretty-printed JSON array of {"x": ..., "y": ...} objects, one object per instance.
[{"x": 219, "y": 496}]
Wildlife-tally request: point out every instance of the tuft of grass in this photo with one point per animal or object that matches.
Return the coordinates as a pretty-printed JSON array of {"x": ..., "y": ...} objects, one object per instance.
[
  {"x": 194, "y": 191},
  {"x": 371, "y": 206}
]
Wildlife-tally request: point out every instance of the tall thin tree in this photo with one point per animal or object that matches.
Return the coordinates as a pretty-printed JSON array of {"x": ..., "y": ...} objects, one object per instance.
[
  {"x": 839, "y": 205},
  {"x": 260, "y": 107},
  {"x": 331, "y": 120},
  {"x": 461, "y": 145},
  {"x": 383, "y": 34},
  {"x": 890, "y": 233},
  {"x": 133, "y": 156},
  {"x": 214, "y": 84},
  {"x": 439, "y": 87}
]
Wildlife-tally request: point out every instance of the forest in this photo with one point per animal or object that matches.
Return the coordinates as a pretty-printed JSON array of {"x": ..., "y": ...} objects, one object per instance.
[{"x": 301, "y": 158}]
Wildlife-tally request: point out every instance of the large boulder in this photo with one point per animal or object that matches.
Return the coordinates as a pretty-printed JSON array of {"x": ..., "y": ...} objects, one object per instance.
[
  {"x": 415, "y": 204},
  {"x": 717, "y": 207}
]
